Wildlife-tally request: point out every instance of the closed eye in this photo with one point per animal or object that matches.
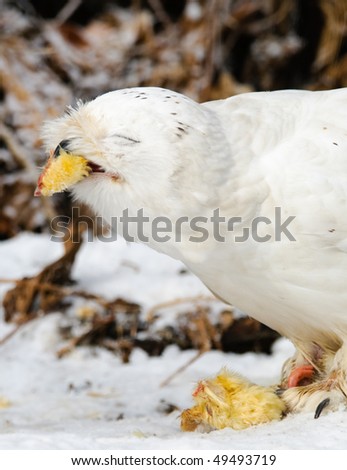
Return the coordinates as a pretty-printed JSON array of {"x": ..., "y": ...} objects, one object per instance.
[
  {"x": 64, "y": 144},
  {"x": 125, "y": 140}
]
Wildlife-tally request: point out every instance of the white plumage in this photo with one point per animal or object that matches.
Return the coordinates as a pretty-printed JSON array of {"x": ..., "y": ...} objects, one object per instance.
[{"x": 246, "y": 156}]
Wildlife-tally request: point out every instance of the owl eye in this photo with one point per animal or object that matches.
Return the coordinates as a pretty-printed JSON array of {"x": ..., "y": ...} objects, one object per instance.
[
  {"x": 64, "y": 144},
  {"x": 124, "y": 140}
]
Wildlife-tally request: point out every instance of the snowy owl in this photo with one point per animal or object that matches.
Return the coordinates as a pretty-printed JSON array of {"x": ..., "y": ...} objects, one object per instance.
[{"x": 269, "y": 167}]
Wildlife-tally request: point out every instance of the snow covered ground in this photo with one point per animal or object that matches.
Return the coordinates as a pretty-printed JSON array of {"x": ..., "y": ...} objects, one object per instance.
[{"x": 90, "y": 400}]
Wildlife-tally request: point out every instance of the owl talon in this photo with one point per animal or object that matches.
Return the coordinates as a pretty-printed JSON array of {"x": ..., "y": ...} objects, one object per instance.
[
  {"x": 321, "y": 407},
  {"x": 318, "y": 397}
]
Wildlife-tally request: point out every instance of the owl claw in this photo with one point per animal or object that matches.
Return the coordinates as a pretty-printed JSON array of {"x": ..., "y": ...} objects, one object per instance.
[
  {"x": 321, "y": 407},
  {"x": 317, "y": 397}
]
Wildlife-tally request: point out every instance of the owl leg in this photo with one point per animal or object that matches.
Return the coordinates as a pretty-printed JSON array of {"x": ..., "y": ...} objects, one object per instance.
[
  {"x": 301, "y": 374},
  {"x": 301, "y": 369},
  {"x": 327, "y": 392}
]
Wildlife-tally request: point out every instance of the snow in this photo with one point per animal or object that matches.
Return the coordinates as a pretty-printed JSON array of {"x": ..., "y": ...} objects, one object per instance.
[{"x": 90, "y": 400}]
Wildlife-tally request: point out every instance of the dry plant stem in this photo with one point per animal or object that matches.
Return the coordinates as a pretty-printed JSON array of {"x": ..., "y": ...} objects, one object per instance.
[
  {"x": 212, "y": 43},
  {"x": 23, "y": 161},
  {"x": 67, "y": 11},
  {"x": 18, "y": 152},
  {"x": 71, "y": 292},
  {"x": 48, "y": 208},
  {"x": 82, "y": 337},
  {"x": 70, "y": 347},
  {"x": 172, "y": 303},
  {"x": 206, "y": 333},
  {"x": 272, "y": 20},
  {"x": 64, "y": 290},
  {"x": 335, "y": 12},
  {"x": 160, "y": 12},
  {"x": 13, "y": 332},
  {"x": 181, "y": 369},
  {"x": 20, "y": 302}
]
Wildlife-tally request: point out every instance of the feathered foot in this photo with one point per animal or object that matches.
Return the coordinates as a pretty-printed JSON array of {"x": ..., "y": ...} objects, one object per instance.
[
  {"x": 326, "y": 393},
  {"x": 323, "y": 395},
  {"x": 305, "y": 368}
]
